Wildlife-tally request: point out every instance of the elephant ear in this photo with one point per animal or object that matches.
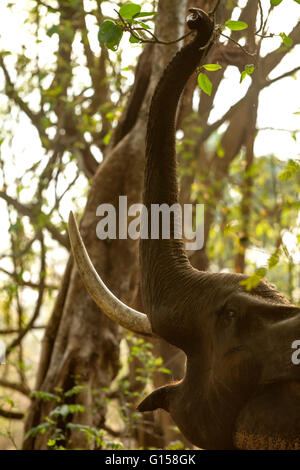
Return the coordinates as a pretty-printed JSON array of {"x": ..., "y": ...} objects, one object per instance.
[{"x": 160, "y": 398}]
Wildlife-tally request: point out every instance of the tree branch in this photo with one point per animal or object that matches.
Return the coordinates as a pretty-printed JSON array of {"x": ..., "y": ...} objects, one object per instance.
[
  {"x": 214, "y": 10},
  {"x": 13, "y": 94},
  {"x": 33, "y": 215},
  {"x": 280, "y": 77},
  {"x": 213, "y": 127},
  {"x": 10, "y": 331},
  {"x": 11, "y": 414},
  {"x": 270, "y": 61},
  {"x": 21, "y": 282},
  {"x": 128, "y": 28},
  {"x": 15, "y": 386},
  {"x": 37, "y": 309}
]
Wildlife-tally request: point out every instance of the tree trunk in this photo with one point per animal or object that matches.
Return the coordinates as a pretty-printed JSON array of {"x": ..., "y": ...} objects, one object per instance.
[{"x": 81, "y": 345}]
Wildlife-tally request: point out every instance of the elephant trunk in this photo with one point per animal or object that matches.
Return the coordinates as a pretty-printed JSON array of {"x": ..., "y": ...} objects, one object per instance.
[{"x": 165, "y": 269}]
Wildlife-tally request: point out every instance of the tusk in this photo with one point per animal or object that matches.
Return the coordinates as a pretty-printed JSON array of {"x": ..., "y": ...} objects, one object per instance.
[{"x": 115, "y": 309}]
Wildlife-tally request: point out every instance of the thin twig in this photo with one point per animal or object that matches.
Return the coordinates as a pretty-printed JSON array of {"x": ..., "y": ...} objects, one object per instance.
[
  {"x": 276, "y": 129},
  {"x": 49, "y": 7},
  {"x": 271, "y": 35},
  {"x": 251, "y": 54},
  {"x": 214, "y": 10},
  {"x": 21, "y": 282},
  {"x": 11, "y": 331},
  {"x": 38, "y": 305},
  {"x": 261, "y": 17},
  {"x": 280, "y": 77},
  {"x": 32, "y": 213},
  {"x": 18, "y": 387},
  {"x": 263, "y": 36},
  {"x": 213, "y": 127},
  {"x": 131, "y": 30},
  {"x": 12, "y": 93}
]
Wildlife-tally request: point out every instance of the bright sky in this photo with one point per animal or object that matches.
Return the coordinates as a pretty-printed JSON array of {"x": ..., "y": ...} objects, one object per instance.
[{"x": 277, "y": 106}]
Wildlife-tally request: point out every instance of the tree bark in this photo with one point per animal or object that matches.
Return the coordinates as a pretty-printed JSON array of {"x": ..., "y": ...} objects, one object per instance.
[{"x": 81, "y": 344}]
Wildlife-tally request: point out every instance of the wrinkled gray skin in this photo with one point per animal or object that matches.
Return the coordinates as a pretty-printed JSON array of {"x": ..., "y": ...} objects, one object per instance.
[{"x": 241, "y": 389}]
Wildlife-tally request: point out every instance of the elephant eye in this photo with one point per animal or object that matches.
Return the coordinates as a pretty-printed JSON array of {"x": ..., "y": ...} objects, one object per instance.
[{"x": 229, "y": 316}]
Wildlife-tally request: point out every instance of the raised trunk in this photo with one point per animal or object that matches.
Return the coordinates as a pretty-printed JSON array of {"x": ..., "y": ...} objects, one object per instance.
[{"x": 164, "y": 263}]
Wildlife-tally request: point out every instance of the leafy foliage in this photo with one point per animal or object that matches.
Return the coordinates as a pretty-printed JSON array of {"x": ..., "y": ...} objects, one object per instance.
[
  {"x": 212, "y": 67},
  {"x": 60, "y": 424},
  {"x": 236, "y": 25},
  {"x": 286, "y": 40},
  {"x": 205, "y": 83},
  {"x": 291, "y": 170},
  {"x": 130, "y": 10},
  {"x": 248, "y": 70},
  {"x": 110, "y": 34}
]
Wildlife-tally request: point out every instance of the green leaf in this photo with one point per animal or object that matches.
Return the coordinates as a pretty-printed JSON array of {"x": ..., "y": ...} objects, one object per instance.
[
  {"x": 286, "y": 40},
  {"x": 291, "y": 170},
  {"x": 60, "y": 411},
  {"x": 252, "y": 281},
  {"x": 274, "y": 259},
  {"x": 130, "y": 10},
  {"x": 163, "y": 370},
  {"x": 205, "y": 83},
  {"x": 65, "y": 410},
  {"x": 46, "y": 396},
  {"x": 248, "y": 70},
  {"x": 54, "y": 29},
  {"x": 220, "y": 150},
  {"x": 40, "y": 429},
  {"x": 133, "y": 40},
  {"x": 143, "y": 14},
  {"x": 110, "y": 34},
  {"x": 297, "y": 1},
  {"x": 54, "y": 91},
  {"x": 212, "y": 67},
  {"x": 243, "y": 76},
  {"x": 107, "y": 138},
  {"x": 74, "y": 391},
  {"x": 143, "y": 25},
  {"x": 236, "y": 25},
  {"x": 275, "y": 2}
]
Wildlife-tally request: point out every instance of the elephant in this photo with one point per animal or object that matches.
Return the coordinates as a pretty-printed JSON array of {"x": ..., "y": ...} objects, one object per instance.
[{"x": 241, "y": 389}]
